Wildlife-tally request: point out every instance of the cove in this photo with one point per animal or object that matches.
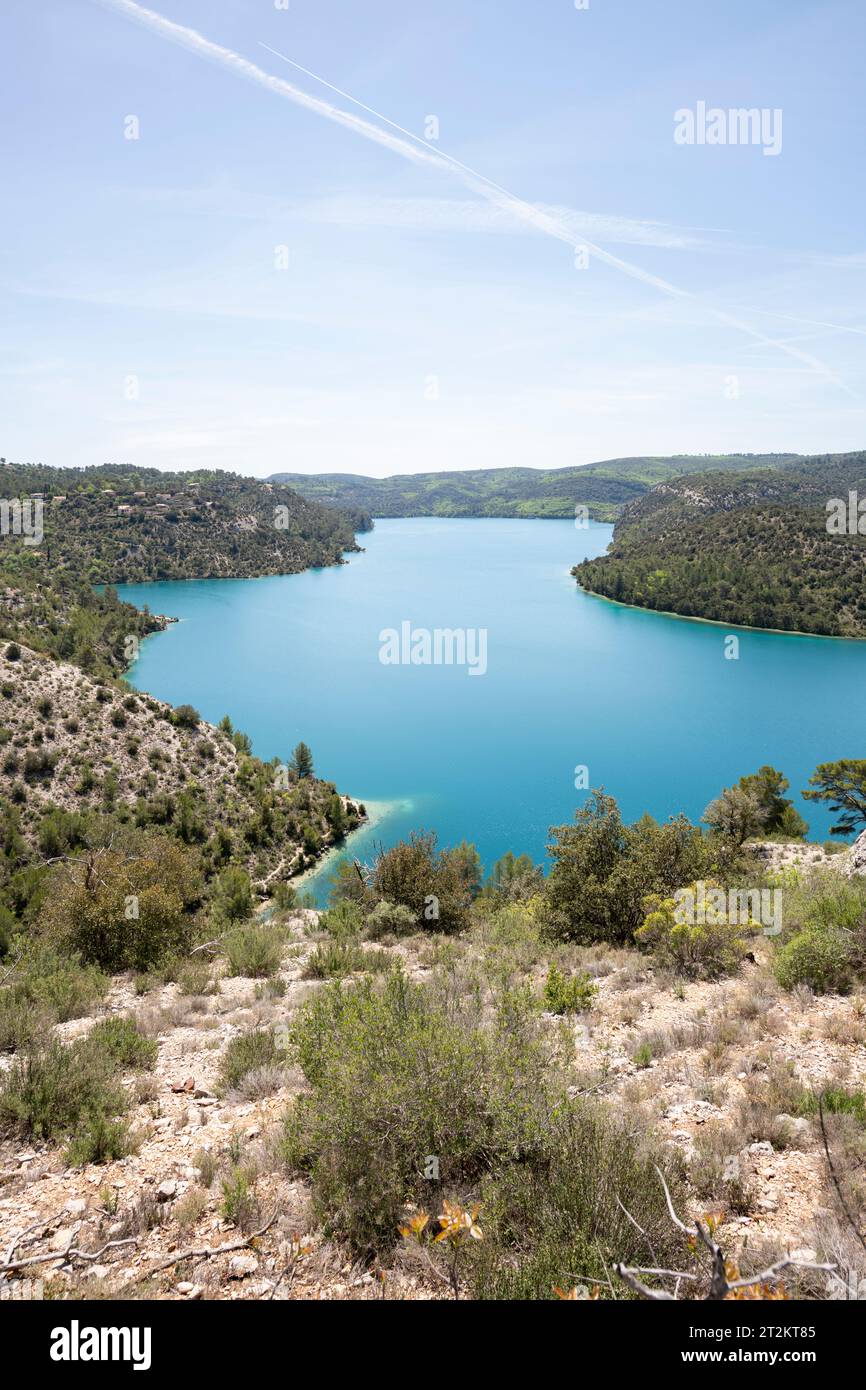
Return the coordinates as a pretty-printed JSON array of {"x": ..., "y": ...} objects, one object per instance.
[{"x": 646, "y": 702}]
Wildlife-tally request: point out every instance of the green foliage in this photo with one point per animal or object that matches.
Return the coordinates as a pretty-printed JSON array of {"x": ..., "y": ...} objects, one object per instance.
[
  {"x": 99, "y": 1139},
  {"x": 519, "y": 492},
  {"x": 389, "y": 919},
  {"x": 824, "y": 944},
  {"x": 245, "y": 1053},
  {"x": 120, "y": 1045},
  {"x": 699, "y": 941},
  {"x": 302, "y": 761},
  {"x": 568, "y": 994},
  {"x": 603, "y": 870},
  {"x": 513, "y": 878},
  {"x": 835, "y": 1100},
  {"x": 750, "y": 548},
  {"x": 843, "y": 786},
  {"x": 254, "y": 951},
  {"x": 333, "y": 960},
  {"x": 819, "y": 957},
  {"x": 778, "y": 813},
  {"x": 564, "y": 1217},
  {"x": 51, "y": 1089},
  {"x": 124, "y": 908},
  {"x": 398, "y": 1073},
  {"x": 233, "y": 897},
  {"x": 239, "y": 1203},
  {"x": 435, "y": 885}
]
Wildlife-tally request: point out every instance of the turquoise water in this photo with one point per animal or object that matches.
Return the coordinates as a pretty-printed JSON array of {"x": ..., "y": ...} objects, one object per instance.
[{"x": 648, "y": 703}]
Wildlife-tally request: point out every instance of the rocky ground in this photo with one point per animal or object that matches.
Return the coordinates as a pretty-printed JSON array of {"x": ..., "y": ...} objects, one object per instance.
[{"x": 703, "y": 1065}]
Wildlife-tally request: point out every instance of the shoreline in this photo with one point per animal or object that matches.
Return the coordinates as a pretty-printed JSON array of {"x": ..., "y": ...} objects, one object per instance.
[
  {"x": 377, "y": 812},
  {"x": 714, "y": 622}
]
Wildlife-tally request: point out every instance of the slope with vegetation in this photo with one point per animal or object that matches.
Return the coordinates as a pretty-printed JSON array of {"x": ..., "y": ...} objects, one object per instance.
[
  {"x": 603, "y": 488},
  {"x": 446, "y": 1086},
  {"x": 113, "y": 524},
  {"x": 749, "y": 548}
]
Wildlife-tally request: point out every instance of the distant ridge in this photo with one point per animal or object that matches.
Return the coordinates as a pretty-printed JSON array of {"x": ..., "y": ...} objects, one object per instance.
[{"x": 604, "y": 488}]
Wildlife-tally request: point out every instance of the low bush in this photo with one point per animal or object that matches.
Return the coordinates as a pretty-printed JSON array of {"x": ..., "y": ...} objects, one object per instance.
[
  {"x": 253, "y": 951},
  {"x": 820, "y": 957},
  {"x": 118, "y": 1044},
  {"x": 389, "y": 919},
  {"x": 52, "y": 1091},
  {"x": 695, "y": 937},
  {"x": 568, "y": 994},
  {"x": 245, "y": 1053}
]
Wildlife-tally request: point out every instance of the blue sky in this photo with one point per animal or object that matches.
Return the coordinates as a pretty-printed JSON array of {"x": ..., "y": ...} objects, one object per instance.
[{"x": 427, "y": 318}]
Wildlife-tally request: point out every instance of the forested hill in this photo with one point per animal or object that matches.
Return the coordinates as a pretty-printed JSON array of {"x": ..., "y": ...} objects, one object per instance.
[
  {"x": 67, "y": 530},
  {"x": 747, "y": 548},
  {"x": 113, "y": 524},
  {"x": 604, "y": 488}
]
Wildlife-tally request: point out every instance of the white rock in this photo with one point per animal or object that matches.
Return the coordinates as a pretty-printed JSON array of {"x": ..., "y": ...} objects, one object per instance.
[{"x": 242, "y": 1265}]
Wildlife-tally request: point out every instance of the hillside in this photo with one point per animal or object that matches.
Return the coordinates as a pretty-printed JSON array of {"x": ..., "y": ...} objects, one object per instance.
[
  {"x": 747, "y": 548},
  {"x": 604, "y": 488},
  {"x": 112, "y": 524},
  {"x": 103, "y": 526},
  {"x": 81, "y": 757}
]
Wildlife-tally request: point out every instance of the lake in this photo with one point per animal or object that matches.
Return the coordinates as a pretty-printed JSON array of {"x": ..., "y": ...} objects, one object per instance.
[{"x": 649, "y": 704}]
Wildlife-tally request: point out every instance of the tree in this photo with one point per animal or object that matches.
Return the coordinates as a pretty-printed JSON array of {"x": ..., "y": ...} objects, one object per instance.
[
  {"x": 432, "y": 883},
  {"x": 125, "y": 906},
  {"x": 603, "y": 870},
  {"x": 843, "y": 785},
  {"x": 736, "y": 814},
  {"x": 513, "y": 878},
  {"x": 302, "y": 761},
  {"x": 768, "y": 786},
  {"x": 233, "y": 895}
]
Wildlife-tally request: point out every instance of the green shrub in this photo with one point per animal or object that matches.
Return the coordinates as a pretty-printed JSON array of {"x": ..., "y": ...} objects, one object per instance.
[
  {"x": 20, "y": 1022},
  {"x": 52, "y": 1090},
  {"x": 333, "y": 960},
  {"x": 126, "y": 907},
  {"x": 254, "y": 951},
  {"x": 435, "y": 885},
  {"x": 63, "y": 986},
  {"x": 401, "y": 1072},
  {"x": 568, "y": 994},
  {"x": 700, "y": 944},
  {"x": 233, "y": 897},
  {"x": 835, "y": 1100},
  {"x": 118, "y": 1044},
  {"x": 551, "y": 1225},
  {"x": 819, "y": 957},
  {"x": 245, "y": 1053},
  {"x": 99, "y": 1140},
  {"x": 389, "y": 919},
  {"x": 239, "y": 1204},
  {"x": 603, "y": 870},
  {"x": 194, "y": 976}
]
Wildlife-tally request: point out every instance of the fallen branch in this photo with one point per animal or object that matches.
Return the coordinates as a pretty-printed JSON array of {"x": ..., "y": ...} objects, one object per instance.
[
  {"x": 70, "y": 1253},
  {"x": 720, "y": 1284},
  {"x": 205, "y": 1252}
]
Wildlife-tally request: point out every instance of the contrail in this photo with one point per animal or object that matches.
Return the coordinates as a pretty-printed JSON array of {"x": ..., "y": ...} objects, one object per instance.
[{"x": 416, "y": 150}]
